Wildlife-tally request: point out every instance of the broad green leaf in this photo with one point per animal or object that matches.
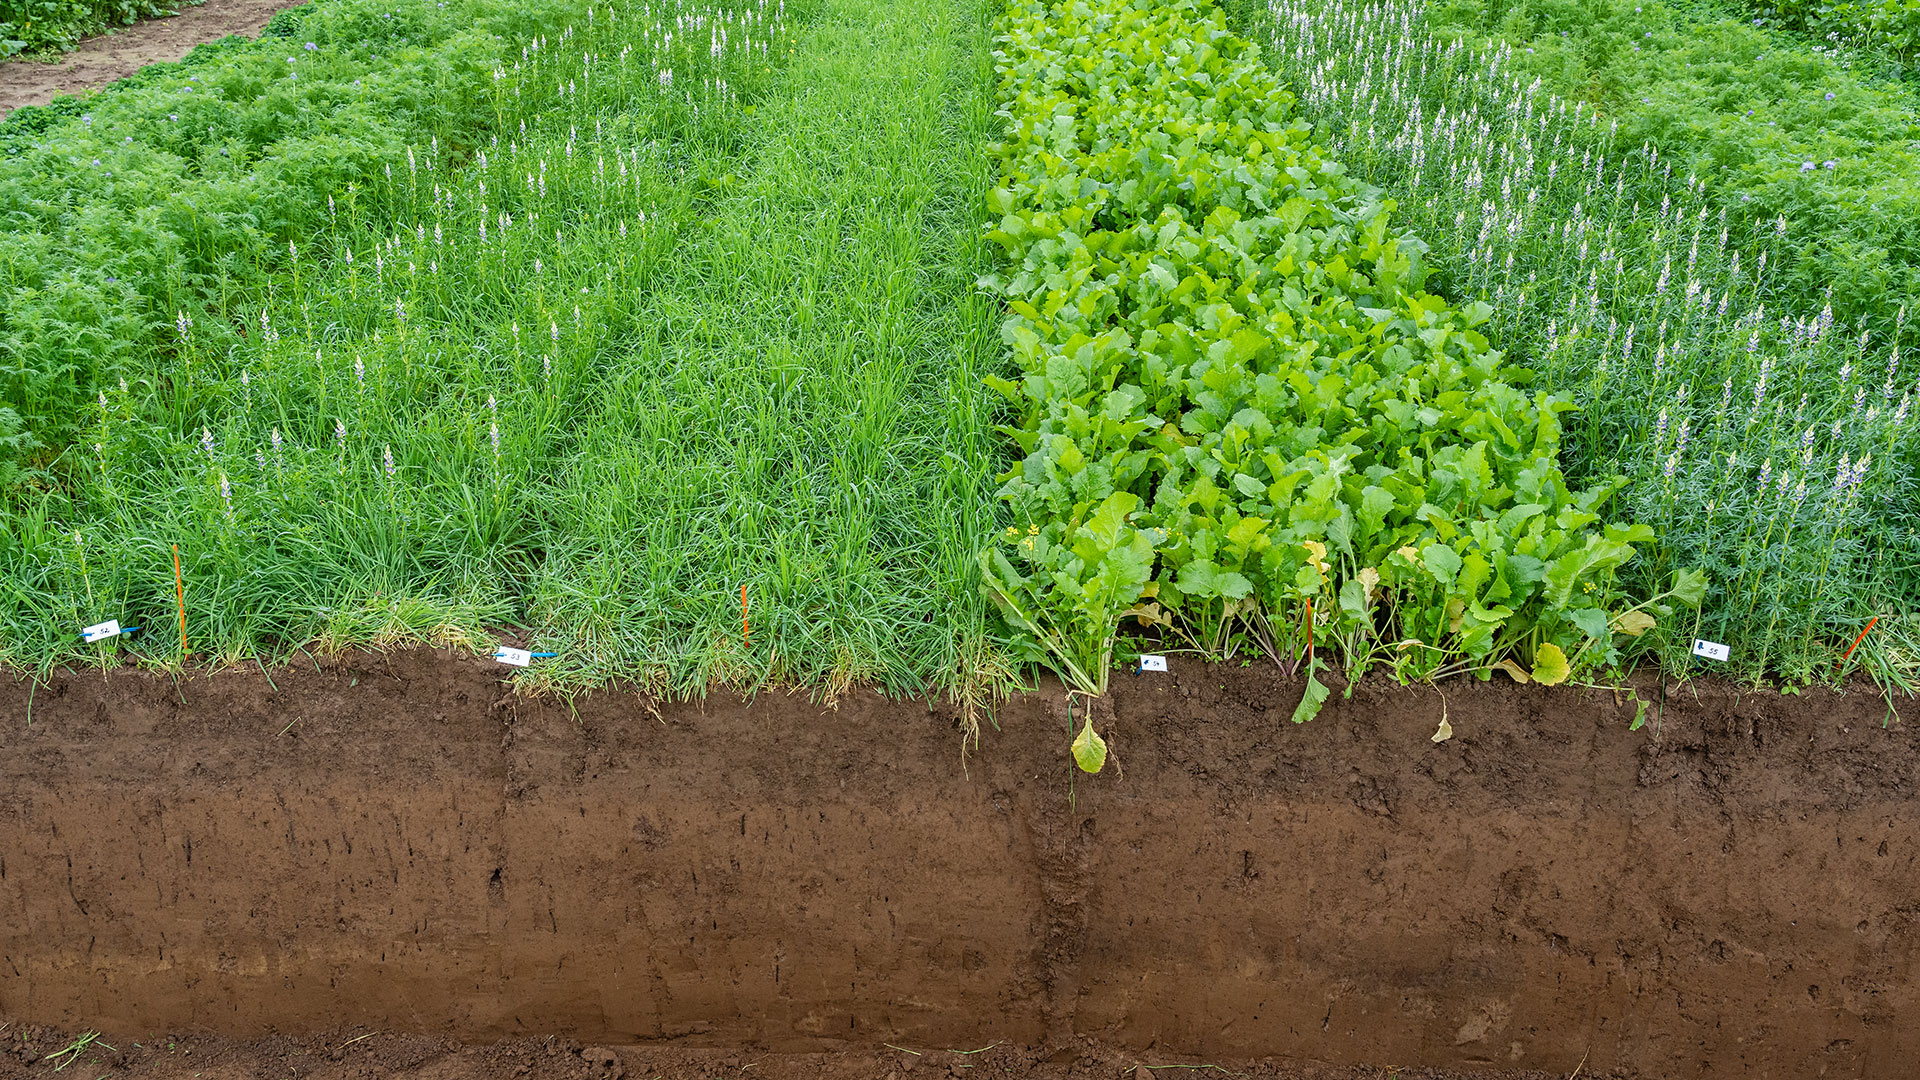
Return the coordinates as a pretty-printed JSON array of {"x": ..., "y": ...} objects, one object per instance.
[
  {"x": 1596, "y": 557},
  {"x": 1441, "y": 561},
  {"x": 1310, "y": 702},
  {"x": 1591, "y": 621},
  {"x": 1524, "y": 571},
  {"x": 1512, "y": 520},
  {"x": 1112, "y": 517},
  {"x": 1375, "y": 502},
  {"x": 1243, "y": 533},
  {"x": 1353, "y": 599},
  {"x": 1199, "y": 578},
  {"x": 1006, "y": 388},
  {"x": 1690, "y": 587}
]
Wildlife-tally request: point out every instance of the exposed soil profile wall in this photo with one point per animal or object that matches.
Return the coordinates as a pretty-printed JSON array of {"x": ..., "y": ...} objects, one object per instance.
[{"x": 396, "y": 841}]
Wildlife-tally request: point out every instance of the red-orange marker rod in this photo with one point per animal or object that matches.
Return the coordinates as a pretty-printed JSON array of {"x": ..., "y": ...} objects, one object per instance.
[
  {"x": 1309, "y": 636},
  {"x": 746, "y": 631},
  {"x": 1855, "y": 645},
  {"x": 180, "y": 594}
]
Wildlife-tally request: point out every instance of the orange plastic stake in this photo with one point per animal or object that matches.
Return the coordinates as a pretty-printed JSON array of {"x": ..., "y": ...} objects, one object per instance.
[
  {"x": 180, "y": 594},
  {"x": 1855, "y": 645},
  {"x": 746, "y": 631},
  {"x": 1309, "y": 635}
]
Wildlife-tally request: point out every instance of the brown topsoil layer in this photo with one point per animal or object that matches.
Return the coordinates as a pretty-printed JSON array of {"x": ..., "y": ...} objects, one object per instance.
[
  {"x": 484, "y": 884},
  {"x": 119, "y": 53}
]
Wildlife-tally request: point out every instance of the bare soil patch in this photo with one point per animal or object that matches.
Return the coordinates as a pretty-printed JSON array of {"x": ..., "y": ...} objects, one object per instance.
[
  {"x": 101, "y": 60},
  {"x": 398, "y": 844}
]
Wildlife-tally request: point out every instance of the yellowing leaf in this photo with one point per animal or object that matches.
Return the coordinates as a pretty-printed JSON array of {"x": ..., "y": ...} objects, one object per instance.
[
  {"x": 1149, "y": 615},
  {"x": 1444, "y": 732},
  {"x": 1089, "y": 750},
  {"x": 1550, "y": 665},
  {"x": 1369, "y": 580},
  {"x": 1519, "y": 673},
  {"x": 1316, "y": 553},
  {"x": 1633, "y": 623}
]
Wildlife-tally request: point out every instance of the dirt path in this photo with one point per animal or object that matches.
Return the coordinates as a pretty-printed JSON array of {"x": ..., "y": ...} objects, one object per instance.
[{"x": 101, "y": 60}]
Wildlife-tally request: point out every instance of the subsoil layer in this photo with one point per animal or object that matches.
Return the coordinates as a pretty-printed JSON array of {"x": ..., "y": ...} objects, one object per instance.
[
  {"x": 369, "y": 1055},
  {"x": 116, "y": 55},
  {"x": 401, "y": 847}
]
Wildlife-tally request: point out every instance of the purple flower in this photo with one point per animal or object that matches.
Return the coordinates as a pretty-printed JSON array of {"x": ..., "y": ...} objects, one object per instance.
[
  {"x": 1808, "y": 166},
  {"x": 1829, "y": 95}
]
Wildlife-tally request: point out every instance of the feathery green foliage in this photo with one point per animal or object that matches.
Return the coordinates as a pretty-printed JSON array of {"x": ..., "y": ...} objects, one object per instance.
[{"x": 180, "y": 193}]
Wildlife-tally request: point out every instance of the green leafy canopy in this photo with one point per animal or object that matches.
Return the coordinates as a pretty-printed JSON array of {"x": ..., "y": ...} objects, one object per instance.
[{"x": 1241, "y": 414}]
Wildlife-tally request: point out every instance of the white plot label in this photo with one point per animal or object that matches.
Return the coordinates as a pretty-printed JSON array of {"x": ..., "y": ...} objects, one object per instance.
[
  {"x": 1152, "y": 662},
  {"x": 515, "y": 657},
  {"x": 101, "y": 631},
  {"x": 1712, "y": 650}
]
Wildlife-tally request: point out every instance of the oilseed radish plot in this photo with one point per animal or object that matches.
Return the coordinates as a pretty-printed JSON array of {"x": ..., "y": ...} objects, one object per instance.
[{"x": 1239, "y": 404}]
